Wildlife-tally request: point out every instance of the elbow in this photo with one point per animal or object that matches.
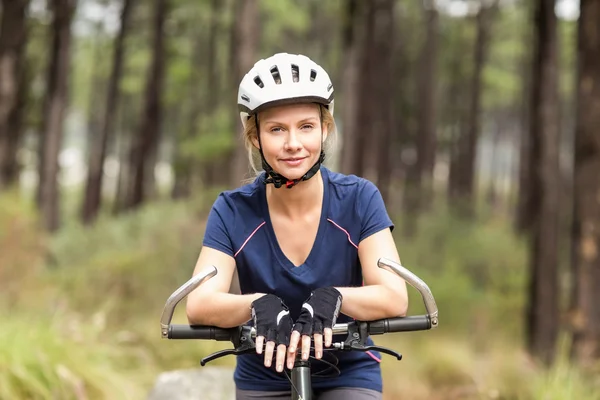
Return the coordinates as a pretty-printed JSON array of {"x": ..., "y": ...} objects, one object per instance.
[
  {"x": 194, "y": 316},
  {"x": 399, "y": 307}
]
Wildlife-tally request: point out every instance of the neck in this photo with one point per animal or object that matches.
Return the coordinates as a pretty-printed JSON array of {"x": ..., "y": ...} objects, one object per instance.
[{"x": 301, "y": 198}]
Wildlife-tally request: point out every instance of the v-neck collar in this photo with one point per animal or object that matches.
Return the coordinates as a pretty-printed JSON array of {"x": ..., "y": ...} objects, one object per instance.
[{"x": 283, "y": 259}]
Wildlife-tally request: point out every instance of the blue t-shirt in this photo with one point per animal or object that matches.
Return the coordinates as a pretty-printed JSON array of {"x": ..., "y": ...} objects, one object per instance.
[{"x": 239, "y": 225}]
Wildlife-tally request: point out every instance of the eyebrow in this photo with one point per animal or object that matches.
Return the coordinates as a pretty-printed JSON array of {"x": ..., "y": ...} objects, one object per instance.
[{"x": 304, "y": 120}]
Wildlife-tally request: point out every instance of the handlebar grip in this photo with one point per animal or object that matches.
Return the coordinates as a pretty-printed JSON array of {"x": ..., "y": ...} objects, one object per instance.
[
  {"x": 400, "y": 324},
  {"x": 200, "y": 332}
]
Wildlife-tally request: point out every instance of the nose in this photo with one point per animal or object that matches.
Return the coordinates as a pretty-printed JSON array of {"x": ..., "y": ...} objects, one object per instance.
[{"x": 293, "y": 142}]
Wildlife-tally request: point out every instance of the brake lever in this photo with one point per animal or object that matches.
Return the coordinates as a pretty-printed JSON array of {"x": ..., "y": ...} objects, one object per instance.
[
  {"x": 244, "y": 345},
  {"x": 359, "y": 347},
  {"x": 357, "y": 340},
  {"x": 226, "y": 352}
]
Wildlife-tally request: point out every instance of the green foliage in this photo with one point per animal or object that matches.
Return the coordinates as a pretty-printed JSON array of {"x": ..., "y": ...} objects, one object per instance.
[
  {"x": 133, "y": 263},
  {"x": 476, "y": 270},
  {"x": 213, "y": 139},
  {"x": 60, "y": 357}
]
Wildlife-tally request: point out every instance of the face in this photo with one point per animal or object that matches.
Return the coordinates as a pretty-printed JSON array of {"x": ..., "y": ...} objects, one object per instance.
[{"x": 291, "y": 138}]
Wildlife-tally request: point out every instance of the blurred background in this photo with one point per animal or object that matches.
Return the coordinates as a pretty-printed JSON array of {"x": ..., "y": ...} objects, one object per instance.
[{"x": 477, "y": 119}]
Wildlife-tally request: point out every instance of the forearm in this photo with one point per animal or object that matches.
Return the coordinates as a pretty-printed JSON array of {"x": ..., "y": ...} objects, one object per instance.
[
  {"x": 220, "y": 309},
  {"x": 368, "y": 303}
]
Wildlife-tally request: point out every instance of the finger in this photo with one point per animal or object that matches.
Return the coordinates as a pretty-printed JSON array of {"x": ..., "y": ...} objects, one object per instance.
[
  {"x": 291, "y": 350},
  {"x": 280, "y": 358},
  {"x": 305, "y": 347},
  {"x": 318, "y": 338},
  {"x": 269, "y": 353},
  {"x": 328, "y": 336},
  {"x": 260, "y": 341}
]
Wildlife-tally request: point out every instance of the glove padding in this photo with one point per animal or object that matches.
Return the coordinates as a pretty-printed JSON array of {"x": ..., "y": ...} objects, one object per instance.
[
  {"x": 272, "y": 319},
  {"x": 319, "y": 311}
]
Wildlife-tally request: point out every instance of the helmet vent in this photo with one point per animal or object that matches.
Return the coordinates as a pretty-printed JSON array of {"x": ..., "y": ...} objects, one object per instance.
[
  {"x": 246, "y": 98},
  {"x": 313, "y": 75},
  {"x": 276, "y": 75},
  {"x": 295, "y": 73},
  {"x": 259, "y": 82}
]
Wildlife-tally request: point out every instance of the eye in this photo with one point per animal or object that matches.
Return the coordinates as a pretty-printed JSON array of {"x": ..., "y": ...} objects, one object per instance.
[
  {"x": 307, "y": 127},
  {"x": 276, "y": 129}
]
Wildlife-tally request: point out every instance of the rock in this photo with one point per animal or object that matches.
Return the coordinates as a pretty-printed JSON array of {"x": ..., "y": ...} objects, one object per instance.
[{"x": 208, "y": 383}]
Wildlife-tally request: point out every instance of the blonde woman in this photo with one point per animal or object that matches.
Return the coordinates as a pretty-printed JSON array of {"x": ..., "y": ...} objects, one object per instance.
[{"x": 303, "y": 240}]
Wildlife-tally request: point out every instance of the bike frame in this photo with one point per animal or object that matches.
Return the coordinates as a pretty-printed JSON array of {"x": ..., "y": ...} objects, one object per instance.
[{"x": 301, "y": 372}]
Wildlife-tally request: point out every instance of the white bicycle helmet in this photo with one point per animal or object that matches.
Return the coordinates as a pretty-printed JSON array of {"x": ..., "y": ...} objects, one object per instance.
[{"x": 283, "y": 79}]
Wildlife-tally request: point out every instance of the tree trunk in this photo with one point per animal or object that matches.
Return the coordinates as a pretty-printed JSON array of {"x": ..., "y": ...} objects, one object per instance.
[
  {"x": 426, "y": 135},
  {"x": 54, "y": 112},
  {"x": 467, "y": 146},
  {"x": 419, "y": 179},
  {"x": 586, "y": 216},
  {"x": 214, "y": 171},
  {"x": 522, "y": 217},
  {"x": 13, "y": 35},
  {"x": 366, "y": 97},
  {"x": 349, "y": 72},
  {"x": 97, "y": 152},
  {"x": 246, "y": 33},
  {"x": 456, "y": 114},
  {"x": 145, "y": 144},
  {"x": 542, "y": 313},
  {"x": 383, "y": 124}
]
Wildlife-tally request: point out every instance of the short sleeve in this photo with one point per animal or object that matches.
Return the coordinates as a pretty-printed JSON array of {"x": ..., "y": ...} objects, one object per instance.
[
  {"x": 371, "y": 208},
  {"x": 216, "y": 235}
]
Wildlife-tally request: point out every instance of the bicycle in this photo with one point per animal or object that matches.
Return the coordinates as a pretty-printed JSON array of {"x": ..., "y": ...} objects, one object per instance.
[{"x": 242, "y": 337}]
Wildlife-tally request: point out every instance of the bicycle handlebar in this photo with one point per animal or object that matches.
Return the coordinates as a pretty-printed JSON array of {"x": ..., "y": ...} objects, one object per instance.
[
  {"x": 379, "y": 327},
  {"x": 399, "y": 324}
]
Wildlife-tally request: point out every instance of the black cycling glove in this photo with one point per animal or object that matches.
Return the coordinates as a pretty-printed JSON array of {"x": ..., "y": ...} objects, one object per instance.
[
  {"x": 272, "y": 319},
  {"x": 319, "y": 311}
]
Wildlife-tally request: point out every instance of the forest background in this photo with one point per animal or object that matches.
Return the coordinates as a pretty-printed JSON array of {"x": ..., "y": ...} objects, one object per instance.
[{"x": 477, "y": 119}]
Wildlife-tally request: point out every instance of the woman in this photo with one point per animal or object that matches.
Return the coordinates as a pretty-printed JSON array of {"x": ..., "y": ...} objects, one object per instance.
[{"x": 303, "y": 240}]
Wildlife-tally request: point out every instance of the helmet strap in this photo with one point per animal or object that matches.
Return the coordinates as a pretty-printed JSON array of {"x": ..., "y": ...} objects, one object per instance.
[{"x": 279, "y": 180}]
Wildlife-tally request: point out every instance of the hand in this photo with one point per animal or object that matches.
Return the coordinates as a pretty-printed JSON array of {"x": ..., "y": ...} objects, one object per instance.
[
  {"x": 318, "y": 315},
  {"x": 272, "y": 321}
]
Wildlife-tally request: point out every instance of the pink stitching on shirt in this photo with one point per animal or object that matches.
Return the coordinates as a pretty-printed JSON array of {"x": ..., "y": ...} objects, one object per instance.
[
  {"x": 373, "y": 356},
  {"x": 343, "y": 230},
  {"x": 249, "y": 237}
]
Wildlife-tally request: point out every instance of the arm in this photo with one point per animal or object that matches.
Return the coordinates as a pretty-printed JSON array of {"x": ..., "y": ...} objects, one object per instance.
[
  {"x": 384, "y": 293},
  {"x": 211, "y": 303}
]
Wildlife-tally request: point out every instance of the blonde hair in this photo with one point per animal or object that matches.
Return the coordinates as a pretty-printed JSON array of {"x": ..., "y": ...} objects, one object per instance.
[{"x": 251, "y": 133}]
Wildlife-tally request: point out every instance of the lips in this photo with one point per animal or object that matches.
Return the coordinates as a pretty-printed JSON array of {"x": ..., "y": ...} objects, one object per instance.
[{"x": 293, "y": 161}]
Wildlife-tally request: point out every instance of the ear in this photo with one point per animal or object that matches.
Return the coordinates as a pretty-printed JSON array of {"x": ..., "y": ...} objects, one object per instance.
[
  {"x": 325, "y": 132},
  {"x": 255, "y": 142}
]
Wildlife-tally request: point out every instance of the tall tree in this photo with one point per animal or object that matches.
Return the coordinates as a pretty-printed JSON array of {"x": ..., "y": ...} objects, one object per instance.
[
  {"x": 542, "y": 312},
  {"x": 419, "y": 185},
  {"x": 349, "y": 71},
  {"x": 522, "y": 217},
  {"x": 586, "y": 213},
  {"x": 97, "y": 153},
  {"x": 54, "y": 112},
  {"x": 145, "y": 144},
  {"x": 383, "y": 115},
  {"x": 467, "y": 142},
  {"x": 245, "y": 40},
  {"x": 13, "y": 34},
  {"x": 367, "y": 98}
]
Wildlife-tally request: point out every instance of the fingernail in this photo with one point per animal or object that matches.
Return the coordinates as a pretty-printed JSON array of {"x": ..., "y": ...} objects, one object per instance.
[
  {"x": 318, "y": 354},
  {"x": 305, "y": 355},
  {"x": 279, "y": 368}
]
